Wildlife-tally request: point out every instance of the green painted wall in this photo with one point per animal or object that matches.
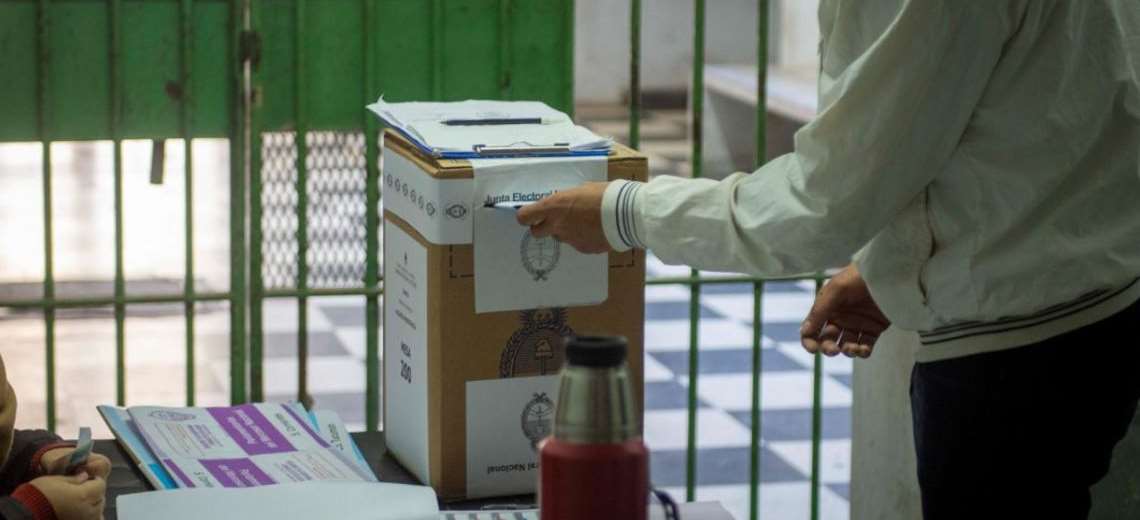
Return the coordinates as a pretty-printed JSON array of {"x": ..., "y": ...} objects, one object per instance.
[{"x": 422, "y": 50}]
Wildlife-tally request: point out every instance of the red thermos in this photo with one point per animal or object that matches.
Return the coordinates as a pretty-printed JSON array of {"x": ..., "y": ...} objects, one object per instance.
[{"x": 595, "y": 466}]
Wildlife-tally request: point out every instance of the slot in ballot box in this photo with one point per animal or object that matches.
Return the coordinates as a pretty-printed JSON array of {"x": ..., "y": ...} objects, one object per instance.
[{"x": 467, "y": 394}]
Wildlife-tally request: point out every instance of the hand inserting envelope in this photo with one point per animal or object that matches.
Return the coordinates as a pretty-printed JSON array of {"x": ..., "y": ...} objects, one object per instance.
[{"x": 515, "y": 270}]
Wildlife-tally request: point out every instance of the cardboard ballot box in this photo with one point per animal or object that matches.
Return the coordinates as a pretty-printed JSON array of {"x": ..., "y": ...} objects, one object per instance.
[{"x": 468, "y": 395}]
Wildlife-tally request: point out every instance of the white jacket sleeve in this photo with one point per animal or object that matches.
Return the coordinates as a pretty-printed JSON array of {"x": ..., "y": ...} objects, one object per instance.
[{"x": 895, "y": 114}]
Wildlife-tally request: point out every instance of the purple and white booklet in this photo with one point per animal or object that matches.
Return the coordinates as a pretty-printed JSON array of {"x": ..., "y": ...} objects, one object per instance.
[{"x": 242, "y": 446}]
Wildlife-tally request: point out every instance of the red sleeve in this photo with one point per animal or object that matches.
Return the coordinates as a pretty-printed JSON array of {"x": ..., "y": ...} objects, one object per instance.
[
  {"x": 35, "y": 502},
  {"x": 19, "y": 468}
]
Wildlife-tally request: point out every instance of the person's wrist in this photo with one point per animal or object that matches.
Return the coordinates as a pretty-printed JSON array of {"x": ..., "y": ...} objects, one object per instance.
[{"x": 619, "y": 215}]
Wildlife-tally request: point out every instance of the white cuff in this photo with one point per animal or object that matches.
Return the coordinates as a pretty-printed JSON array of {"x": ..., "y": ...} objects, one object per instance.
[{"x": 620, "y": 215}]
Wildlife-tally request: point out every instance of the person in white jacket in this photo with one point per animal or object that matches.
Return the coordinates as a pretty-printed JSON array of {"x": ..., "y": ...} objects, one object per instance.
[{"x": 979, "y": 161}]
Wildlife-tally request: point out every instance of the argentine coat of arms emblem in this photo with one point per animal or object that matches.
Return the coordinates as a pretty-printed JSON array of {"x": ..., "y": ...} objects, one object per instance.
[{"x": 538, "y": 347}]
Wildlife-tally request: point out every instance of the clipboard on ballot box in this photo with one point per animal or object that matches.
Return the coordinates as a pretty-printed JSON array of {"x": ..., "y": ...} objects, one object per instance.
[{"x": 476, "y": 129}]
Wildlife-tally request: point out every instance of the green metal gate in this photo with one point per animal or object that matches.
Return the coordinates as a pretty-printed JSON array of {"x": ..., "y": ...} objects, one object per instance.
[{"x": 285, "y": 81}]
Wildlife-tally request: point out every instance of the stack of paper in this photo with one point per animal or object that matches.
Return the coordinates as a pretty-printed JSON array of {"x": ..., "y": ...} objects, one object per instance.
[
  {"x": 472, "y": 129},
  {"x": 238, "y": 446}
]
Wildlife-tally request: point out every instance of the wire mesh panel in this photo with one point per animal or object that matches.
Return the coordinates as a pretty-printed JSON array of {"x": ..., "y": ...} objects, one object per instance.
[{"x": 336, "y": 209}]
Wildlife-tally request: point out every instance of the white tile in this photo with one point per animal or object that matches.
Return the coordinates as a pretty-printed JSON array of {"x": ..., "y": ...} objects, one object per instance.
[
  {"x": 839, "y": 364},
  {"x": 777, "y": 500},
  {"x": 777, "y": 307},
  {"x": 665, "y": 293},
  {"x": 326, "y": 375},
  {"x": 340, "y": 301},
  {"x": 715, "y": 334},
  {"x": 834, "y": 458},
  {"x": 353, "y": 340},
  {"x": 280, "y": 315},
  {"x": 778, "y": 391},
  {"x": 668, "y": 430},
  {"x": 655, "y": 372},
  {"x": 659, "y": 268}
]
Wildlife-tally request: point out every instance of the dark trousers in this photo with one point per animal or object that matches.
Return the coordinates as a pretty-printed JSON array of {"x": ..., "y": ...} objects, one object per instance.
[{"x": 1023, "y": 433}]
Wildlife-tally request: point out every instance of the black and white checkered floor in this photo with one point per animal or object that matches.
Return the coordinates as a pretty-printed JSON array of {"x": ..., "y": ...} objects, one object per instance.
[
  {"x": 155, "y": 356},
  {"x": 336, "y": 378},
  {"x": 724, "y": 384}
]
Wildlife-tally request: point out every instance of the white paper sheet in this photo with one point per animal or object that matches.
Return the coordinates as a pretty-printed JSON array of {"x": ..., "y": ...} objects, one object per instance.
[
  {"x": 340, "y": 500},
  {"x": 422, "y": 120},
  {"x": 240, "y": 446},
  {"x": 514, "y": 270},
  {"x": 405, "y": 350},
  {"x": 505, "y": 420},
  {"x": 333, "y": 430}
]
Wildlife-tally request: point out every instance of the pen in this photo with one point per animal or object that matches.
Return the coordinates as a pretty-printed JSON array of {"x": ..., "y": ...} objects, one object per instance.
[
  {"x": 499, "y": 121},
  {"x": 82, "y": 450},
  {"x": 508, "y": 205}
]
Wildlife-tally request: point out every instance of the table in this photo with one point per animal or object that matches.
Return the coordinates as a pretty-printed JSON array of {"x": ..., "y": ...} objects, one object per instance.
[{"x": 126, "y": 478}]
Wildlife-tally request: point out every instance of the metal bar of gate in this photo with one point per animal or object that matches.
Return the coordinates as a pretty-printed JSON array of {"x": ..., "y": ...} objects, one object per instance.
[
  {"x": 43, "y": 104},
  {"x": 635, "y": 74},
  {"x": 186, "y": 44},
  {"x": 257, "y": 293},
  {"x": 816, "y": 420},
  {"x": 238, "y": 158},
  {"x": 437, "y": 50},
  {"x": 758, "y": 287},
  {"x": 504, "y": 49},
  {"x": 371, "y": 237},
  {"x": 104, "y": 301},
  {"x": 697, "y": 96},
  {"x": 754, "y": 426},
  {"x": 116, "y": 76},
  {"x": 301, "y": 142}
]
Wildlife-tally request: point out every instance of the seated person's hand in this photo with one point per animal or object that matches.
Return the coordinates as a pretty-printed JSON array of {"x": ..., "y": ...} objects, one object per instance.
[
  {"x": 54, "y": 462},
  {"x": 74, "y": 497},
  {"x": 844, "y": 318}
]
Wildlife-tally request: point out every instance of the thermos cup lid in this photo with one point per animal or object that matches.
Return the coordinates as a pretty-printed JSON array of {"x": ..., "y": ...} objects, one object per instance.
[{"x": 596, "y": 351}]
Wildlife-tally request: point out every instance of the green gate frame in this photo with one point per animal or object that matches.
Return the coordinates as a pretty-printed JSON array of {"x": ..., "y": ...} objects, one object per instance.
[{"x": 237, "y": 69}]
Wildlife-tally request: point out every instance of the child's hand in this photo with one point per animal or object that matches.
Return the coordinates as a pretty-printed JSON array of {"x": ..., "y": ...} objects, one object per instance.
[
  {"x": 54, "y": 462},
  {"x": 76, "y": 497}
]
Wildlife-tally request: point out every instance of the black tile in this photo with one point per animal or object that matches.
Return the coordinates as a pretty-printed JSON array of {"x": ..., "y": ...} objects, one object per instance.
[
  {"x": 719, "y": 466},
  {"x": 678, "y": 310},
  {"x": 350, "y": 406},
  {"x": 845, "y": 379},
  {"x": 795, "y": 425},
  {"x": 727, "y": 288},
  {"x": 668, "y": 395},
  {"x": 344, "y": 315},
  {"x": 781, "y": 287},
  {"x": 785, "y": 287},
  {"x": 843, "y": 490},
  {"x": 736, "y": 361},
  {"x": 284, "y": 345},
  {"x": 781, "y": 330}
]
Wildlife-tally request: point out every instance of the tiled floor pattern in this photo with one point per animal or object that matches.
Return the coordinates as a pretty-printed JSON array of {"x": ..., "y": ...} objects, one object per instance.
[{"x": 156, "y": 358}]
